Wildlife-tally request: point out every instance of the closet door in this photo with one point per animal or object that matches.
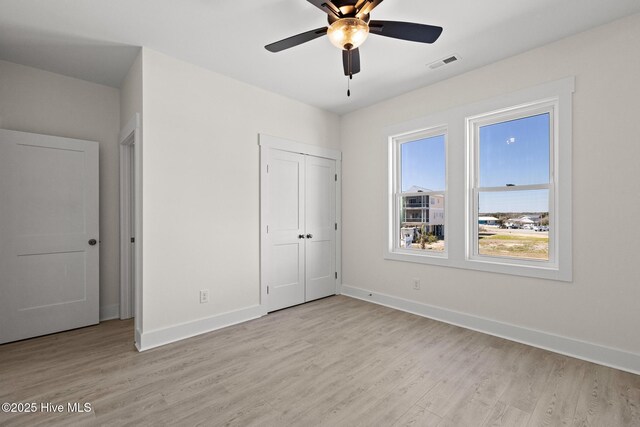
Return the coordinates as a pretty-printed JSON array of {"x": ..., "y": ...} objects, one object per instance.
[
  {"x": 300, "y": 205},
  {"x": 320, "y": 227},
  {"x": 285, "y": 214}
]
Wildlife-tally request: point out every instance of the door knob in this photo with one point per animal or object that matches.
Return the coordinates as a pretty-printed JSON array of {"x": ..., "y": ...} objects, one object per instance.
[
  {"x": 309, "y": 236},
  {"x": 300, "y": 236},
  {"x": 92, "y": 242}
]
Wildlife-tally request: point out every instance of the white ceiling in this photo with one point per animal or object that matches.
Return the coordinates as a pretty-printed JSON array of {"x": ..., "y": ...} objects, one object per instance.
[{"x": 97, "y": 40}]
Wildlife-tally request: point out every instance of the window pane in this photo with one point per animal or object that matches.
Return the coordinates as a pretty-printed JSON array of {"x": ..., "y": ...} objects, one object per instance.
[
  {"x": 422, "y": 222},
  {"x": 514, "y": 224},
  {"x": 423, "y": 165},
  {"x": 515, "y": 152}
]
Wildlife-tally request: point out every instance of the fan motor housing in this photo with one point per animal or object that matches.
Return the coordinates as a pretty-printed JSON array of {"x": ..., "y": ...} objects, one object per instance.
[{"x": 348, "y": 10}]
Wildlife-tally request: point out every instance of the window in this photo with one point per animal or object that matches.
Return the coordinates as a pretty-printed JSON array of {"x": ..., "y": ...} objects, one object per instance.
[
  {"x": 485, "y": 186},
  {"x": 419, "y": 193},
  {"x": 512, "y": 180}
]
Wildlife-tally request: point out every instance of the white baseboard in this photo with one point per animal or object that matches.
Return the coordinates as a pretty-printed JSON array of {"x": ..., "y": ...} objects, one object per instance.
[
  {"x": 595, "y": 353},
  {"x": 109, "y": 312},
  {"x": 158, "y": 337}
]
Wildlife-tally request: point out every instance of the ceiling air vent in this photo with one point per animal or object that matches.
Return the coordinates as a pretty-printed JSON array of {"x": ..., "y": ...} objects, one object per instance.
[{"x": 444, "y": 61}]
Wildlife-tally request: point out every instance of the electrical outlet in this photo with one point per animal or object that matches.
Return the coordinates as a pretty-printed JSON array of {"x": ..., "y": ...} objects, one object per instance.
[
  {"x": 204, "y": 296},
  {"x": 416, "y": 284}
]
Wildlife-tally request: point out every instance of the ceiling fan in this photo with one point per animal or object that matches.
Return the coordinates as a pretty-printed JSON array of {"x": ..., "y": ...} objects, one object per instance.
[{"x": 349, "y": 26}]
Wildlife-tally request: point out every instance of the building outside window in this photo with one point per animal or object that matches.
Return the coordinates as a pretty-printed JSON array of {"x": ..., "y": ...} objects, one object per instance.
[{"x": 420, "y": 195}]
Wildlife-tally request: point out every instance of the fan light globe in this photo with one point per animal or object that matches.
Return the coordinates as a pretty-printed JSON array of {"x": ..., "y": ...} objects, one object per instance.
[{"x": 348, "y": 33}]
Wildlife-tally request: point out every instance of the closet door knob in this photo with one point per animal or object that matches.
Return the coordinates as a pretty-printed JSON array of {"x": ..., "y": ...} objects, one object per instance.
[
  {"x": 300, "y": 236},
  {"x": 309, "y": 236}
]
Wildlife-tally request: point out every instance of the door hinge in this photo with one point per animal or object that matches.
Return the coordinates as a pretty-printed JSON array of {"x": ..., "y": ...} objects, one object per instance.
[
  {"x": 133, "y": 240},
  {"x": 267, "y": 290},
  {"x": 267, "y": 168},
  {"x": 267, "y": 229},
  {"x": 336, "y": 177},
  {"x": 336, "y": 274},
  {"x": 336, "y": 226}
]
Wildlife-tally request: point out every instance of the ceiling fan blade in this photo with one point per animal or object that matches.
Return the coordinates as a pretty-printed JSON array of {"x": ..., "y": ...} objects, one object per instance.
[
  {"x": 296, "y": 40},
  {"x": 327, "y": 6},
  {"x": 351, "y": 61},
  {"x": 367, "y": 7},
  {"x": 406, "y": 31}
]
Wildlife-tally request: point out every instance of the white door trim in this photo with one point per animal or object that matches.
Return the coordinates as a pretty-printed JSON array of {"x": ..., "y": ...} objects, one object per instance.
[
  {"x": 270, "y": 142},
  {"x": 339, "y": 222},
  {"x": 130, "y": 142}
]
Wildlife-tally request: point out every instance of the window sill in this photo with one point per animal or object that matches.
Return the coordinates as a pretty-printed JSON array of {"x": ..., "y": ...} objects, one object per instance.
[
  {"x": 436, "y": 258},
  {"x": 489, "y": 266}
]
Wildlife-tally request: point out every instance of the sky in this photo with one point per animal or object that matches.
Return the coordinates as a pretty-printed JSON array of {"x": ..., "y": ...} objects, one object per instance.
[
  {"x": 513, "y": 152},
  {"x": 423, "y": 163},
  {"x": 514, "y": 201}
]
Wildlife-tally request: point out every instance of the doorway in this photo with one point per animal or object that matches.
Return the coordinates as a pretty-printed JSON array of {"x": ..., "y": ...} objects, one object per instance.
[
  {"x": 130, "y": 221},
  {"x": 300, "y": 222}
]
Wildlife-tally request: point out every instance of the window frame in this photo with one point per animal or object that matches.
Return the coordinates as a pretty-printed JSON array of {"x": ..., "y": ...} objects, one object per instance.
[
  {"x": 395, "y": 143},
  {"x": 473, "y": 125},
  {"x": 459, "y": 215}
]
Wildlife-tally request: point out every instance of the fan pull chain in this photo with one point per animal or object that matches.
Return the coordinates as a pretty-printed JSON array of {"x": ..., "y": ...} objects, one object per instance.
[{"x": 349, "y": 65}]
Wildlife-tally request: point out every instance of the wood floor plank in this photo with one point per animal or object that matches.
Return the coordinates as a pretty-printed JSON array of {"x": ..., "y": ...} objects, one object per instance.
[
  {"x": 528, "y": 380},
  {"x": 557, "y": 403},
  {"x": 627, "y": 388},
  {"x": 507, "y": 416},
  {"x": 480, "y": 389},
  {"x": 455, "y": 377},
  {"x": 607, "y": 397},
  {"x": 418, "y": 416},
  {"x": 387, "y": 408},
  {"x": 333, "y": 362}
]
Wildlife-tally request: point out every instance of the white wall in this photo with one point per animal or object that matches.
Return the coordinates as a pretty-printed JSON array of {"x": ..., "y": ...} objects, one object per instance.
[
  {"x": 131, "y": 92},
  {"x": 37, "y": 101},
  {"x": 201, "y": 186},
  {"x": 601, "y": 305}
]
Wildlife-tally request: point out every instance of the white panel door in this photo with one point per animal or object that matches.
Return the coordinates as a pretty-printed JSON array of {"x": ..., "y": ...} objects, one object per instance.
[
  {"x": 320, "y": 220},
  {"x": 300, "y": 206},
  {"x": 284, "y": 204},
  {"x": 48, "y": 225}
]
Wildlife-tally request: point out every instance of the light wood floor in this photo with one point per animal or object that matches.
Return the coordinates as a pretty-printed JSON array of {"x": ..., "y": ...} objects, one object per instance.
[{"x": 334, "y": 362}]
